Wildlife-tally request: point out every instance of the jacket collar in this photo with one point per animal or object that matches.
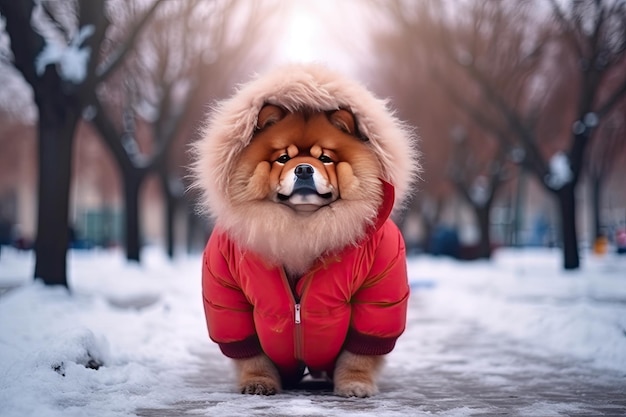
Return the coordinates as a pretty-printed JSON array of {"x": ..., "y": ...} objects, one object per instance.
[{"x": 384, "y": 211}]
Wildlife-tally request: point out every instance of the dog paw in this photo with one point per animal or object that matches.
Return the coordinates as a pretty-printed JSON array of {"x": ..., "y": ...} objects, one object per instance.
[
  {"x": 355, "y": 375},
  {"x": 355, "y": 389},
  {"x": 257, "y": 376},
  {"x": 260, "y": 386}
]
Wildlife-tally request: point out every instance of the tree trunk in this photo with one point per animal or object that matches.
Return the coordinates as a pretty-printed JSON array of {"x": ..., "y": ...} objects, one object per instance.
[
  {"x": 169, "y": 226},
  {"x": 170, "y": 214},
  {"x": 567, "y": 206},
  {"x": 484, "y": 244},
  {"x": 199, "y": 229},
  {"x": 596, "y": 184},
  {"x": 58, "y": 118},
  {"x": 132, "y": 186},
  {"x": 518, "y": 212},
  {"x": 57, "y": 125}
]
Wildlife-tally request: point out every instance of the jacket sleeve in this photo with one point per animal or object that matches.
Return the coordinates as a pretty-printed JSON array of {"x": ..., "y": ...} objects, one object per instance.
[
  {"x": 228, "y": 312},
  {"x": 379, "y": 306}
]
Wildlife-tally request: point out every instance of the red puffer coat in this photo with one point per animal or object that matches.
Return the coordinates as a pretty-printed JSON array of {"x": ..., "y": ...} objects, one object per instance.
[{"x": 354, "y": 300}]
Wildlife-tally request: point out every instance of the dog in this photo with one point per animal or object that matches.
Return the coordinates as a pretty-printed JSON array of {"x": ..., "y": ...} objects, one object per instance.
[{"x": 304, "y": 270}]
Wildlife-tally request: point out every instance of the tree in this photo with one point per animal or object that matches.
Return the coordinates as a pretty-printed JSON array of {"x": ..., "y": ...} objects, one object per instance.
[
  {"x": 515, "y": 63},
  {"x": 603, "y": 155},
  {"x": 56, "y": 47},
  {"x": 409, "y": 60},
  {"x": 477, "y": 181},
  {"x": 188, "y": 49},
  {"x": 595, "y": 32}
]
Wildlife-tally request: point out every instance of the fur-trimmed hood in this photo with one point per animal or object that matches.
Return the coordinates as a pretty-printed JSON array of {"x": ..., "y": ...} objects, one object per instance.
[{"x": 231, "y": 125}]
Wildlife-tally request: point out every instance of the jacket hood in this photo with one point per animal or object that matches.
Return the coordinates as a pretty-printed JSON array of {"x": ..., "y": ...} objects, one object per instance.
[{"x": 231, "y": 124}]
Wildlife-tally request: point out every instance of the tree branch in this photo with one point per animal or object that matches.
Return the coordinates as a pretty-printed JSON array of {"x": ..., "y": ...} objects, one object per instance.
[
  {"x": 116, "y": 58},
  {"x": 566, "y": 24},
  {"x": 533, "y": 157},
  {"x": 110, "y": 134},
  {"x": 46, "y": 8},
  {"x": 617, "y": 95},
  {"x": 26, "y": 43}
]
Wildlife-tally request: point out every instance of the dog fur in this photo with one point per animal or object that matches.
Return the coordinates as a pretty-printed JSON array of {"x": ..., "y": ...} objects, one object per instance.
[{"x": 253, "y": 184}]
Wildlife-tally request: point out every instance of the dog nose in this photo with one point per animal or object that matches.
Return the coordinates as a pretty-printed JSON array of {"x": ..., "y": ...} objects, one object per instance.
[{"x": 304, "y": 171}]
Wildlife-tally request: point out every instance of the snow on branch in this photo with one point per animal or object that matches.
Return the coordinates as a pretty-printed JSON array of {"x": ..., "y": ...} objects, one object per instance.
[
  {"x": 71, "y": 59},
  {"x": 479, "y": 191},
  {"x": 588, "y": 122},
  {"x": 560, "y": 171}
]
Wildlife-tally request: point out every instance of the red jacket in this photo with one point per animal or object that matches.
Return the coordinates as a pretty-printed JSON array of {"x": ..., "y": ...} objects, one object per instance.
[{"x": 354, "y": 300}]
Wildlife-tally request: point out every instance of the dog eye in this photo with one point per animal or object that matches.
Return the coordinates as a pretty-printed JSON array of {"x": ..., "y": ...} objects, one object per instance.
[
  {"x": 283, "y": 158},
  {"x": 325, "y": 159}
]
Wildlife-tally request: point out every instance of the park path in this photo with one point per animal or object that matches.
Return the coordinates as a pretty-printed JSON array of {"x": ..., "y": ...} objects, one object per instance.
[{"x": 456, "y": 369}]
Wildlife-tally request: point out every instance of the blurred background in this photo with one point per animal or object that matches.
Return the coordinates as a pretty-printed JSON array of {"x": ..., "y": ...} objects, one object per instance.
[{"x": 520, "y": 108}]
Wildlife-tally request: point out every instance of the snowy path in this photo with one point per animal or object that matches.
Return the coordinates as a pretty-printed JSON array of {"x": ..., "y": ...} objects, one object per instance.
[
  {"x": 515, "y": 336},
  {"x": 458, "y": 370}
]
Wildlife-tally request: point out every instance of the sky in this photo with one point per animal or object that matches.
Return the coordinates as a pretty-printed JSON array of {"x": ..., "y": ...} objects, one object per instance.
[{"x": 334, "y": 33}]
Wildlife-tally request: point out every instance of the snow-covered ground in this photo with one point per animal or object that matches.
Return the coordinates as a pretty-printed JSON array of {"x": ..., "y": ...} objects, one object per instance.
[{"x": 145, "y": 326}]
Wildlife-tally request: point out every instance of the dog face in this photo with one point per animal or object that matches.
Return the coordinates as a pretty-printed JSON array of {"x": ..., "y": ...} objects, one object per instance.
[{"x": 304, "y": 160}]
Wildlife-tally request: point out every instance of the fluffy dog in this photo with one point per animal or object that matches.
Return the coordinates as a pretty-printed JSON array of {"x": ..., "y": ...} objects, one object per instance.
[{"x": 304, "y": 270}]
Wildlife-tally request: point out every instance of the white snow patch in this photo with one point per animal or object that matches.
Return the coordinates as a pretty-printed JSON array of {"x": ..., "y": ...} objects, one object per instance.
[
  {"x": 578, "y": 127},
  {"x": 145, "y": 324},
  {"x": 591, "y": 119},
  {"x": 545, "y": 409},
  {"x": 89, "y": 113},
  {"x": 479, "y": 191},
  {"x": 526, "y": 295},
  {"x": 71, "y": 59},
  {"x": 560, "y": 171}
]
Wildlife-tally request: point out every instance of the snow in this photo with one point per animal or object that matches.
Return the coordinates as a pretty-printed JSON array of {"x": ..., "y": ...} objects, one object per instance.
[
  {"x": 89, "y": 113},
  {"x": 479, "y": 191},
  {"x": 589, "y": 121},
  {"x": 528, "y": 297},
  {"x": 145, "y": 326},
  {"x": 578, "y": 127},
  {"x": 560, "y": 172},
  {"x": 72, "y": 59}
]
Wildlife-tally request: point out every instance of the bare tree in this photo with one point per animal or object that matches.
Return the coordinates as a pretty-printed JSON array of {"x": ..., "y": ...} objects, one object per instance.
[
  {"x": 57, "y": 48},
  {"x": 477, "y": 180},
  {"x": 603, "y": 155},
  {"x": 410, "y": 61},
  {"x": 595, "y": 32},
  {"x": 189, "y": 49},
  {"x": 513, "y": 65}
]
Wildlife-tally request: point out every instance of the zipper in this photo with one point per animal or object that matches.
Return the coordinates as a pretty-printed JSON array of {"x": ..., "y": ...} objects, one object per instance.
[
  {"x": 297, "y": 316},
  {"x": 298, "y": 349}
]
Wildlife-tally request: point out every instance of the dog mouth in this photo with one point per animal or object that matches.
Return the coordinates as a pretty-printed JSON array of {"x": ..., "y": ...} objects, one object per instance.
[
  {"x": 304, "y": 194},
  {"x": 303, "y": 190},
  {"x": 306, "y": 199}
]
